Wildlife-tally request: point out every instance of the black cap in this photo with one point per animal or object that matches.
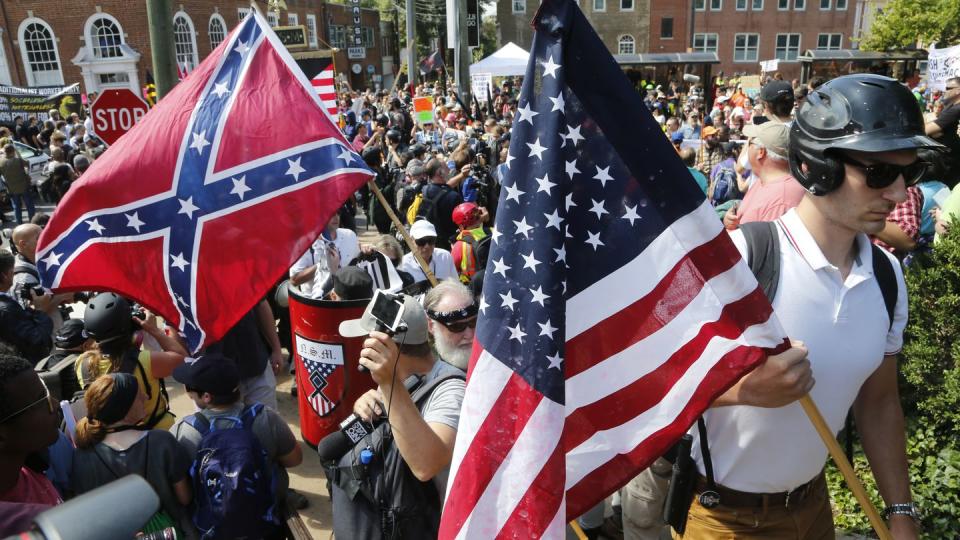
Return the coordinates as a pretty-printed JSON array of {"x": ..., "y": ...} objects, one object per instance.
[
  {"x": 352, "y": 283},
  {"x": 71, "y": 334},
  {"x": 774, "y": 90},
  {"x": 213, "y": 373}
]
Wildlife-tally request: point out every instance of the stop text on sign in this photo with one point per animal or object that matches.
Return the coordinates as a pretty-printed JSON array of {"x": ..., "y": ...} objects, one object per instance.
[{"x": 116, "y": 119}]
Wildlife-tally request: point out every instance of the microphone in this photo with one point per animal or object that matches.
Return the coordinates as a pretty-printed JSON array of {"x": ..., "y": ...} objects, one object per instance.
[{"x": 335, "y": 445}]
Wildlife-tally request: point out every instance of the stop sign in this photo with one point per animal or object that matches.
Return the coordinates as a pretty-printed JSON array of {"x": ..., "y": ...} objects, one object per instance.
[{"x": 115, "y": 112}]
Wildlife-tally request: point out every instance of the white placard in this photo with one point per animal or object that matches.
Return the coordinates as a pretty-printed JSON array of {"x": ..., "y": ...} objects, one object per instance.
[
  {"x": 325, "y": 353},
  {"x": 769, "y": 66},
  {"x": 941, "y": 65},
  {"x": 481, "y": 86}
]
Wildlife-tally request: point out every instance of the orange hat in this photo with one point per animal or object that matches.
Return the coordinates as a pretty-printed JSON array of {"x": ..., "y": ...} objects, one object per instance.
[{"x": 708, "y": 131}]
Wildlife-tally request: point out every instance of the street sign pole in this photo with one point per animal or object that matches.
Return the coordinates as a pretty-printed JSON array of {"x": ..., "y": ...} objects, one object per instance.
[{"x": 159, "y": 23}]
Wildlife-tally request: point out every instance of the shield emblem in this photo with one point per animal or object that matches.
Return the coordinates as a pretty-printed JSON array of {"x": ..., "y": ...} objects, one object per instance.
[{"x": 323, "y": 378}]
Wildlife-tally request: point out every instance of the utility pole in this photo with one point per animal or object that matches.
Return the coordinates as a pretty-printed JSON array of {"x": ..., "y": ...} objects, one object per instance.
[
  {"x": 463, "y": 55},
  {"x": 159, "y": 23},
  {"x": 411, "y": 49},
  {"x": 693, "y": 16}
]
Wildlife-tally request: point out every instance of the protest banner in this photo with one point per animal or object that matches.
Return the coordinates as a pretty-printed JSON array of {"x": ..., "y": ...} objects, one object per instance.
[
  {"x": 481, "y": 83},
  {"x": 942, "y": 64},
  {"x": 769, "y": 66},
  {"x": 423, "y": 110},
  {"x": 750, "y": 85},
  {"x": 17, "y": 102}
]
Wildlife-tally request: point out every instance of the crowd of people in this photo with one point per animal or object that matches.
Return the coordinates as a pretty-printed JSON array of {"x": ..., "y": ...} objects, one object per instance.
[{"x": 833, "y": 191}]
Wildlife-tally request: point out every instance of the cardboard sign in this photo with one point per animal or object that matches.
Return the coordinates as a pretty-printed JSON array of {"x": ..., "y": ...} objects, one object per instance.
[
  {"x": 480, "y": 86},
  {"x": 423, "y": 110},
  {"x": 942, "y": 64},
  {"x": 769, "y": 66}
]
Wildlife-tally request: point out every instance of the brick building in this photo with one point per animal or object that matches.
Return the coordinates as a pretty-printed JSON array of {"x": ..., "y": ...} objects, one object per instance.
[
  {"x": 368, "y": 66},
  {"x": 623, "y": 25},
  {"x": 105, "y": 43}
]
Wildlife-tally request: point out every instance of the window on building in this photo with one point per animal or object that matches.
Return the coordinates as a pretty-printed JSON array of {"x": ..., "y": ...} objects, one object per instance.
[
  {"x": 705, "y": 42},
  {"x": 386, "y": 46},
  {"x": 746, "y": 47},
  {"x": 39, "y": 49},
  {"x": 700, "y": 5},
  {"x": 626, "y": 5},
  {"x": 217, "y": 30},
  {"x": 830, "y": 42},
  {"x": 104, "y": 37},
  {"x": 4, "y": 65},
  {"x": 783, "y": 5},
  {"x": 242, "y": 13},
  {"x": 599, "y": 5},
  {"x": 293, "y": 19},
  {"x": 122, "y": 79},
  {"x": 273, "y": 19},
  {"x": 626, "y": 45},
  {"x": 716, "y": 5},
  {"x": 338, "y": 36},
  {"x": 741, "y": 5},
  {"x": 312, "y": 30},
  {"x": 788, "y": 47},
  {"x": 825, "y": 5},
  {"x": 366, "y": 33},
  {"x": 519, "y": 6},
  {"x": 184, "y": 41},
  {"x": 799, "y": 5},
  {"x": 758, "y": 5},
  {"x": 841, "y": 5},
  {"x": 666, "y": 28}
]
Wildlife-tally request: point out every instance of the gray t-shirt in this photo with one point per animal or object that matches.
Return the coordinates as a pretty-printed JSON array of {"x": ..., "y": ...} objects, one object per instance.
[
  {"x": 268, "y": 427},
  {"x": 443, "y": 407}
]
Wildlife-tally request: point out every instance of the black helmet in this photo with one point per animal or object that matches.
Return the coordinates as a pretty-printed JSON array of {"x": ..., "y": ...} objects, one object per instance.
[
  {"x": 393, "y": 135},
  {"x": 108, "y": 316},
  {"x": 863, "y": 112}
]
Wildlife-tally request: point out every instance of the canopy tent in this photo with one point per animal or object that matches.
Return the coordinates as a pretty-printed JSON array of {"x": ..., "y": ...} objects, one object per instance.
[{"x": 509, "y": 60}]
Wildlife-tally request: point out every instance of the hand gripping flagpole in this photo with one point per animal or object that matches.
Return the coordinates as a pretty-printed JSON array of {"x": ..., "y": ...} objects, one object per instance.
[
  {"x": 403, "y": 230},
  {"x": 846, "y": 469}
]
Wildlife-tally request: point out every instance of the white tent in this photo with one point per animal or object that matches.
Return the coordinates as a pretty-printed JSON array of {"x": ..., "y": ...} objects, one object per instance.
[{"x": 509, "y": 60}]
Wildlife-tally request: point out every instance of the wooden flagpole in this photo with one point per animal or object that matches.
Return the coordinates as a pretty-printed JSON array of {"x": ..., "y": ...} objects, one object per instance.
[
  {"x": 403, "y": 231},
  {"x": 845, "y": 467}
]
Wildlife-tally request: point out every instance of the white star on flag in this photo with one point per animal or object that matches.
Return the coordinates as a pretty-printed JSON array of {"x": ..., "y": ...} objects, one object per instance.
[
  {"x": 508, "y": 300},
  {"x": 594, "y": 240},
  {"x": 603, "y": 175},
  {"x": 558, "y": 103},
  {"x": 500, "y": 267},
  {"x": 514, "y": 192},
  {"x": 241, "y": 48},
  {"x": 544, "y": 184},
  {"x": 187, "y": 207},
  {"x": 133, "y": 221},
  {"x": 239, "y": 187},
  {"x": 598, "y": 208},
  {"x": 295, "y": 170},
  {"x": 53, "y": 259},
  {"x": 631, "y": 214},
  {"x": 547, "y": 329},
  {"x": 536, "y": 149},
  {"x": 517, "y": 333},
  {"x": 526, "y": 113},
  {"x": 530, "y": 261},
  {"x": 95, "y": 226},
  {"x": 555, "y": 360},
  {"x": 571, "y": 168},
  {"x": 554, "y": 219},
  {"x": 346, "y": 155},
  {"x": 573, "y": 135},
  {"x": 199, "y": 142},
  {"x": 538, "y": 295},
  {"x": 220, "y": 89},
  {"x": 179, "y": 262},
  {"x": 549, "y": 68},
  {"x": 522, "y": 227}
]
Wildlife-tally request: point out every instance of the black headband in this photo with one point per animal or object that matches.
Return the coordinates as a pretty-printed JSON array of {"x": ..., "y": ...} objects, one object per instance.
[
  {"x": 125, "y": 390},
  {"x": 447, "y": 317}
]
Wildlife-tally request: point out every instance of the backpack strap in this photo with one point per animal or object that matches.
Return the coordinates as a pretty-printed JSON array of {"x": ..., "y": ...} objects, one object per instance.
[
  {"x": 763, "y": 254},
  {"x": 423, "y": 391},
  {"x": 886, "y": 279},
  {"x": 249, "y": 414},
  {"x": 198, "y": 422}
]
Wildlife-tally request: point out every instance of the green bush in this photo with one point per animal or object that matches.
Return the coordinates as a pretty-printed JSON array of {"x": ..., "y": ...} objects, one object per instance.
[{"x": 930, "y": 393}]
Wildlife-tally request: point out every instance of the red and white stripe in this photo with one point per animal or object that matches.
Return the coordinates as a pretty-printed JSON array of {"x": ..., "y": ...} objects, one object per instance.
[
  {"x": 320, "y": 405},
  {"x": 323, "y": 84},
  {"x": 648, "y": 348}
]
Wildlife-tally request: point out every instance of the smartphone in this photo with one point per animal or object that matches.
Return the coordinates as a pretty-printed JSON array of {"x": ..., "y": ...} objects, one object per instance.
[{"x": 387, "y": 310}]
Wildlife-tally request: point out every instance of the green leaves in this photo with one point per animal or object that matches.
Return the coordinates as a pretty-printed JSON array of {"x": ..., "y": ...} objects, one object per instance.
[{"x": 903, "y": 23}]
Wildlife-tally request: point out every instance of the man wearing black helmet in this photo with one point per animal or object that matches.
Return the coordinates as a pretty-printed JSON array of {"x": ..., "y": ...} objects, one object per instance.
[{"x": 854, "y": 148}]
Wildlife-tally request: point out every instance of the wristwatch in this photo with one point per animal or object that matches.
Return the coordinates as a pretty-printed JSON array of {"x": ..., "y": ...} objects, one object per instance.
[{"x": 905, "y": 509}]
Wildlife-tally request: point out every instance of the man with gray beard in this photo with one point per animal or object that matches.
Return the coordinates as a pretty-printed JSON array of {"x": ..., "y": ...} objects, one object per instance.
[{"x": 452, "y": 320}]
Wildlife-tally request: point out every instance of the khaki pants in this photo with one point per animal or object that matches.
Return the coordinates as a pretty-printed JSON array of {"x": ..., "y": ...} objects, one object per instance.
[
  {"x": 642, "y": 500},
  {"x": 811, "y": 519}
]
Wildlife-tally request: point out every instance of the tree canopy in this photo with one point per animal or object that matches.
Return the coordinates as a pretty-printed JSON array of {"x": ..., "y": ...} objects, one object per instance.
[{"x": 903, "y": 23}]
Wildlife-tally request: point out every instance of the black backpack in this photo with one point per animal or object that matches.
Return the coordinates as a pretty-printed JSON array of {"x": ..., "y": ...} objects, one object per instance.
[
  {"x": 429, "y": 206},
  {"x": 383, "y": 499}
]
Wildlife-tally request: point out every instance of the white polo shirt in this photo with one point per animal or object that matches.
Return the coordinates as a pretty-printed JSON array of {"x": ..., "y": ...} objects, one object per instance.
[
  {"x": 441, "y": 264},
  {"x": 844, "y": 325}
]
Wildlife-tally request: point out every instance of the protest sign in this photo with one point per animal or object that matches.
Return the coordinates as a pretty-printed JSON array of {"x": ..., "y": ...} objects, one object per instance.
[
  {"x": 423, "y": 110},
  {"x": 942, "y": 64},
  {"x": 769, "y": 66},
  {"x": 17, "y": 102},
  {"x": 481, "y": 85}
]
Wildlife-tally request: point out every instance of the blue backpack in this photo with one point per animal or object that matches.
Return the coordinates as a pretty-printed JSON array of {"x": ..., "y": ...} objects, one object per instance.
[
  {"x": 233, "y": 484},
  {"x": 724, "y": 186}
]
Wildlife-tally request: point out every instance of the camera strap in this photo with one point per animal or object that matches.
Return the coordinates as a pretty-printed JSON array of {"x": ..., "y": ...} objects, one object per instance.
[{"x": 710, "y": 497}]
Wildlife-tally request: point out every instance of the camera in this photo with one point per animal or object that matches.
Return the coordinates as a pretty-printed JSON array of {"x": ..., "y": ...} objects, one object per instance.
[
  {"x": 137, "y": 312},
  {"x": 387, "y": 310},
  {"x": 27, "y": 293}
]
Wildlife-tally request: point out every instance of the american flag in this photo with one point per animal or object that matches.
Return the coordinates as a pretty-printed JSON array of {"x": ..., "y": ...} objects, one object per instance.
[
  {"x": 615, "y": 308},
  {"x": 317, "y": 374},
  {"x": 326, "y": 88}
]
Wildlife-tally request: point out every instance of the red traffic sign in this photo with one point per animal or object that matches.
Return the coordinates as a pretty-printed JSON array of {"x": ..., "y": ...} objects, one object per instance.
[{"x": 115, "y": 112}]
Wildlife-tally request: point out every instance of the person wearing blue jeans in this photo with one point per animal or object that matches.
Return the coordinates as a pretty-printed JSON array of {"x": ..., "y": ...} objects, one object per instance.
[
  {"x": 19, "y": 202},
  {"x": 14, "y": 169}
]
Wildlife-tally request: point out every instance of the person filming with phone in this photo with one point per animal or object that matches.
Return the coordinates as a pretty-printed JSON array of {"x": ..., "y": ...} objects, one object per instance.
[{"x": 389, "y": 472}]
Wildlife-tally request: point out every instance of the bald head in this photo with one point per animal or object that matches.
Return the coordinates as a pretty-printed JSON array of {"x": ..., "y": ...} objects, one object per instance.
[{"x": 25, "y": 238}]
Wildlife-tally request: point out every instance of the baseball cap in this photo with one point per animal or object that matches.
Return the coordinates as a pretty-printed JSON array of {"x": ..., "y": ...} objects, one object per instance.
[
  {"x": 676, "y": 137},
  {"x": 212, "y": 372},
  {"x": 415, "y": 167},
  {"x": 70, "y": 335},
  {"x": 352, "y": 283},
  {"x": 775, "y": 90},
  {"x": 423, "y": 229},
  {"x": 772, "y": 135},
  {"x": 708, "y": 131},
  {"x": 413, "y": 316}
]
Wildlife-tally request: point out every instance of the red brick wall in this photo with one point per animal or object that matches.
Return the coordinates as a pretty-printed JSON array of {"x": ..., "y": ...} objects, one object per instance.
[
  {"x": 68, "y": 20},
  {"x": 680, "y": 12},
  {"x": 341, "y": 15}
]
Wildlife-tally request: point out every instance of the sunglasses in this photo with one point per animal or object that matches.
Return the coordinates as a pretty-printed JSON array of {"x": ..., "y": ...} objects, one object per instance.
[
  {"x": 51, "y": 406},
  {"x": 424, "y": 241},
  {"x": 882, "y": 175},
  {"x": 460, "y": 326}
]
